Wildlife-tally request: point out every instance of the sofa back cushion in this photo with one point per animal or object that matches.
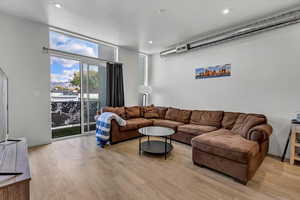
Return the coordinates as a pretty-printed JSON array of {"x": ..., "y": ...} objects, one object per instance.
[
  {"x": 171, "y": 114},
  {"x": 133, "y": 112},
  {"x": 229, "y": 119},
  {"x": 259, "y": 115},
  {"x": 161, "y": 111},
  {"x": 207, "y": 118},
  {"x": 184, "y": 116},
  {"x": 178, "y": 115},
  {"x": 118, "y": 110},
  {"x": 144, "y": 108},
  {"x": 150, "y": 112},
  {"x": 245, "y": 122}
]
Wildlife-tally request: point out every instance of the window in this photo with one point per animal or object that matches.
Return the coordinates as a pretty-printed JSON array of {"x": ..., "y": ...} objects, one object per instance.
[
  {"x": 143, "y": 69},
  {"x": 107, "y": 52},
  {"x": 70, "y": 44},
  {"x": 78, "y": 84}
]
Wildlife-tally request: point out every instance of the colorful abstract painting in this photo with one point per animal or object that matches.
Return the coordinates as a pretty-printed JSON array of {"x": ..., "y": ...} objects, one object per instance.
[{"x": 213, "y": 72}]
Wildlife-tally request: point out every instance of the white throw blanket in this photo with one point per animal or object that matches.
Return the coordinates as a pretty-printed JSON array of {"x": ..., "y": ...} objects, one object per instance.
[{"x": 103, "y": 125}]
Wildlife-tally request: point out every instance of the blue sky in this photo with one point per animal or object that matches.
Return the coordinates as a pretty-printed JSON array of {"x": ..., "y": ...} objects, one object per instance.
[
  {"x": 62, "y": 70},
  {"x": 73, "y": 45}
]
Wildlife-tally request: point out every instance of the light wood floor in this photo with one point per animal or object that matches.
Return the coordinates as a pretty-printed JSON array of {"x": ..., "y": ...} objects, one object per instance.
[{"x": 76, "y": 169}]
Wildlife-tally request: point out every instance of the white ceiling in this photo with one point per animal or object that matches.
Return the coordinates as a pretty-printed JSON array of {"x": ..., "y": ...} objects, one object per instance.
[{"x": 132, "y": 23}]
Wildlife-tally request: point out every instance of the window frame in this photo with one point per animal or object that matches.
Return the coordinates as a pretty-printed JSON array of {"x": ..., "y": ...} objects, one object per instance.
[
  {"x": 146, "y": 65},
  {"x": 88, "y": 39}
]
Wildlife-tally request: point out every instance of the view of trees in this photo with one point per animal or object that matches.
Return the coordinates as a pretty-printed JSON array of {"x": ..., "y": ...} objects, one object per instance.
[{"x": 93, "y": 80}]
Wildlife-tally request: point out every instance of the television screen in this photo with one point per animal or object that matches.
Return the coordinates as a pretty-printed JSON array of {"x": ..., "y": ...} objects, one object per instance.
[{"x": 3, "y": 105}]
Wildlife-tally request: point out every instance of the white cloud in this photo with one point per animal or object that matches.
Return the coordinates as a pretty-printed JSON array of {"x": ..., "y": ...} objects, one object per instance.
[
  {"x": 62, "y": 38},
  {"x": 70, "y": 44},
  {"x": 64, "y": 62},
  {"x": 58, "y": 78},
  {"x": 82, "y": 49},
  {"x": 66, "y": 76},
  {"x": 76, "y": 48}
]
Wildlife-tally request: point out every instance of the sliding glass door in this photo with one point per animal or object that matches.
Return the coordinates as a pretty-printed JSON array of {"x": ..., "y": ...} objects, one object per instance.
[
  {"x": 65, "y": 97},
  {"x": 93, "y": 93},
  {"x": 78, "y": 81},
  {"x": 78, "y": 90}
]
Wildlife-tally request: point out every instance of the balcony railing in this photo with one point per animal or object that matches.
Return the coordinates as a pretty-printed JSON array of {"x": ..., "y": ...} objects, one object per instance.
[{"x": 67, "y": 114}]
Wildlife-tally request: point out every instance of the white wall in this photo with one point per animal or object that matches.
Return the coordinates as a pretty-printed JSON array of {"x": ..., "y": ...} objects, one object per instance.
[
  {"x": 265, "y": 79},
  {"x": 131, "y": 75},
  {"x": 27, "y": 67}
]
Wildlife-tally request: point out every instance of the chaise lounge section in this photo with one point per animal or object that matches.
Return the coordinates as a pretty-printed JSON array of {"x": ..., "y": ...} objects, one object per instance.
[{"x": 230, "y": 142}]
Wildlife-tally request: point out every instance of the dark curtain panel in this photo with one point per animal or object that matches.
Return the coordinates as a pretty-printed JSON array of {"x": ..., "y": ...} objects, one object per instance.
[{"x": 114, "y": 85}]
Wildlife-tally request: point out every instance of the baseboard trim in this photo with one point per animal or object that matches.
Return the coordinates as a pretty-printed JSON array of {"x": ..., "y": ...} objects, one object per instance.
[{"x": 73, "y": 136}]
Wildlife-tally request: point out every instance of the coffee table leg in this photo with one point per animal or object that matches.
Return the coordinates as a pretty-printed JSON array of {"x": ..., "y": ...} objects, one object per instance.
[
  {"x": 140, "y": 145},
  {"x": 166, "y": 141}
]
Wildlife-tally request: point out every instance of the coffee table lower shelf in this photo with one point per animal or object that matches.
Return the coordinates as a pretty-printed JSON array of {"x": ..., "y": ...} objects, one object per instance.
[{"x": 156, "y": 147}]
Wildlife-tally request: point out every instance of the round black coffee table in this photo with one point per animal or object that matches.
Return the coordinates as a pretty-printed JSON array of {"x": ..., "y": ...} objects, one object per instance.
[{"x": 156, "y": 146}]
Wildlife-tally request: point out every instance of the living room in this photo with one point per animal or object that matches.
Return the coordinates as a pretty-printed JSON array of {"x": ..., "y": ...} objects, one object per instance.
[{"x": 149, "y": 100}]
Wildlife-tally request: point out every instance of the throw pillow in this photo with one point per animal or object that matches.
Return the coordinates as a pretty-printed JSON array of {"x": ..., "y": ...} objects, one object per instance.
[
  {"x": 151, "y": 112},
  {"x": 244, "y": 123}
]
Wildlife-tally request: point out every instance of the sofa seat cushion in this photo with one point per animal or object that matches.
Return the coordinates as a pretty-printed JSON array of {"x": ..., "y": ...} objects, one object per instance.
[
  {"x": 135, "y": 123},
  {"x": 196, "y": 129},
  {"x": 167, "y": 123},
  {"x": 226, "y": 144}
]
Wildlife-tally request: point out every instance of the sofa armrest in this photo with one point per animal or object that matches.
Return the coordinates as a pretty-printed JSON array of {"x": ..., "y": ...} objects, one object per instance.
[
  {"x": 114, "y": 131},
  {"x": 260, "y": 133}
]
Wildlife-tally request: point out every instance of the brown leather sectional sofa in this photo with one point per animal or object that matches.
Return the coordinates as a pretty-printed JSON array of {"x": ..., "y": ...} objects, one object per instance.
[{"x": 230, "y": 142}]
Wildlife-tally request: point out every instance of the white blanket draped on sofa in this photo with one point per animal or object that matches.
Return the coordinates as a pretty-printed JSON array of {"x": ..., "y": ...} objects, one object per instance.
[{"x": 103, "y": 125}]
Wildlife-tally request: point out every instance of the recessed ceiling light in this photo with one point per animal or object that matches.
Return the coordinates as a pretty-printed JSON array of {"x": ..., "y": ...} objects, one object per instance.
[
  {"x": 57, "y": 5},
  {"x": 150, "y": 42},
  {"x": 226, "y": 11}
]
